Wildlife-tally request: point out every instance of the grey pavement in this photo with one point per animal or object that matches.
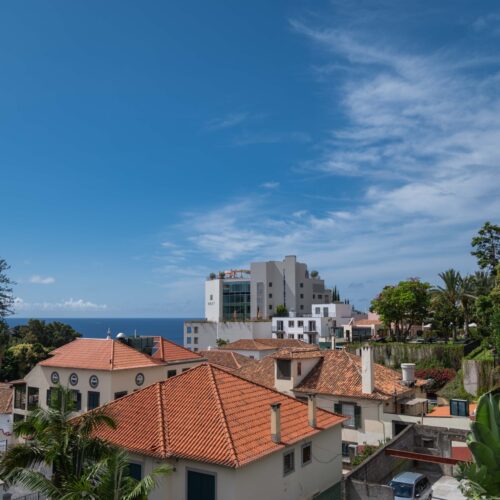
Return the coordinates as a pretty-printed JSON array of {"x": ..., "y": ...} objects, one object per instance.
[{"x": 446, "y": 488}]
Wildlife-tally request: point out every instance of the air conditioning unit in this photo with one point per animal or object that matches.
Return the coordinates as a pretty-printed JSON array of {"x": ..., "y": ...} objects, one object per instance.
[{"x": 353, "y": 450}]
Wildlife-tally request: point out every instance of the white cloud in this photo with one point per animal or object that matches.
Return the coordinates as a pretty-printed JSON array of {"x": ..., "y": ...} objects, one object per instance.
[
  {"x": 270, "y": 185},
  {"x": 41, "y": 280},
  {"x": 71, "y": 304},
  {"x": 228, "y": 121}
]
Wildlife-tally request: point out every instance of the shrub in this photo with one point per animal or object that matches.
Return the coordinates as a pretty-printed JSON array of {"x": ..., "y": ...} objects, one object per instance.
[{"x": 440, "y": 376}]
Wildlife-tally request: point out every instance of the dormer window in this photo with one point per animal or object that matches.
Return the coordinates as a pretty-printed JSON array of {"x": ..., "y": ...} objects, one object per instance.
[{"x": 284, "y": 369}]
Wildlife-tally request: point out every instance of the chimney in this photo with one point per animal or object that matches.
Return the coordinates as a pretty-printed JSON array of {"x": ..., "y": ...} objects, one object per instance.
[
  {"x": 276, "y": 422},
  {"x": 311, "y": 410},
  {"x": 408, "y": 374},
  {"x": 367, "y": 370}
]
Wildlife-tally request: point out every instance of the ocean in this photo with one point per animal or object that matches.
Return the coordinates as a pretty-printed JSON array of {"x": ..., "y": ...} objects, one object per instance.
[{"x": 169, "y": 328}]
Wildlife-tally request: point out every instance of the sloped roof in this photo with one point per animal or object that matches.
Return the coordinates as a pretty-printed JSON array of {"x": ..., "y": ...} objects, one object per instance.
[
  {"x": 367, "y": 322},
  {"x": 226, "y": 359},
  {"x": 5, "y": 398},
  {"x": 208, "y": 414},
  {"x": 264, "y": 344},
  {"x": 298, "y": 353},
  {"x": 169, "y": 351},
  {"x": 337, "y": 373},
  {"x": 99, "y": 354}
]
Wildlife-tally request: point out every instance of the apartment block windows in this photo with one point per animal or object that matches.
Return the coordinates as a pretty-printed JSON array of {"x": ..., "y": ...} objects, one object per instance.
[
  {"x": 270, "y": 295},
  {"x": 291, "y": 324},
  {"x": 195, "y": 340},
  {"x": 299, "y": 368},
  {"x": 270, "y": 307},
  {"x": 300, "y": 324},
  {"x": 188, "y": 340},
  {"x": 284, "y": 369},
  {"x": 288, "y": 462},
  {"x": 32, "y": 398},
  {"x": 301, "y": 295},
  {"x": 270, "y": 284},
  {"x": 320, "y": 296},
  {"x": 20, "y": 396},
  {"x": 189, "y": 329},
  {"x": 279, "y": 325},
  {"x": 352, "y": 412},
  {"x": 301, "y": 285},
  {"x": 76, "y": 398},
  {"x": 301, "y": 306},
  {"x": 306, "y": 454},
  {"x": 93, "y": 399},
  {"x": 317, "y": 310},
  {"x": 195, "y": 329}
]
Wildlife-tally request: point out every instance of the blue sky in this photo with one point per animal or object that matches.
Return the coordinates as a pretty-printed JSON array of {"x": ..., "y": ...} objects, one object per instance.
[{"x": 146, "y": 144}]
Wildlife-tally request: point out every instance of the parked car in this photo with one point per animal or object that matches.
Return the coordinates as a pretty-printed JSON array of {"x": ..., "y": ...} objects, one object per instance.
[{"x": 411, "y": 485}]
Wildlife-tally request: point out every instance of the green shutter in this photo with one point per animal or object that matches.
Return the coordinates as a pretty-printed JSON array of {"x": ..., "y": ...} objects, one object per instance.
[
  {"x": 337, "y": 408},
  {"x": 357, "y": 416}
]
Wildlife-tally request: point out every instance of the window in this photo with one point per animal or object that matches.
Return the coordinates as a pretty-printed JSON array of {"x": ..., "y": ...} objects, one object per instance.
[
  {"x": 32, "y": 398},
  {"x": 459, "y": 407},
  {"x": 306, "y": 453},
  {"x": 120, "y": 394},
  {"x": 299, "y": 368},
  {"x": 76, "y": 399},
  {"x": 345, "y": 449},
  {"x": 135, "y": 471},
  {"x": 301, "y": 285},
  {"x": 301, "y": 295},
  {"x": 301, "y": 306},
  {"x": 320, "y": 296},
  {"x": 300, "y": 323},
  {"x": 291, "y": 324},
  {"x": 317, "y": 310},
  {"x": 189, "y": 329},
  {"x": 291, "y": 336},
  {"x": 195, "y": 349},
  {"x": 188, "y": 340},
  {"x": 270, "y": 295},
  {"x": 211, "y": 297},
  {"x": 314, "y": 295},
  {"x": 195, "y": 340},
  {"x": 93, "y": 399},
  {"x": 195, "y": 329},
  {"x": 352, "y": 412},
  {"x": 288, "y": 462},
  {"x": 270, "y": 307},
  {"x": 20, "y": 397},
  {"x": 284, "y": 369},
  {"x": 300, "y": 336},
  {"x": 18, "y": 417},
  {"x": 270, "y": 284},
  {"x": 200, "y": 485},
  {"x": 279, "y": 325},
  {"x": 171, "y": 373},
  {"x": 53, "y": 397}
]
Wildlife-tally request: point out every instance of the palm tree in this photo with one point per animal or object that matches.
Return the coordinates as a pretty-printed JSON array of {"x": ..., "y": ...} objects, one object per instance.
[
  {"x": 56, "y": 440},
  {"x": 466, "y": 298},
  {"x": 450, "y": 294}
]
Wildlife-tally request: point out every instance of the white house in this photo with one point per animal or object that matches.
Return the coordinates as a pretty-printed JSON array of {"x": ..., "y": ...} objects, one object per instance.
[{"x": 227, "y": 438}]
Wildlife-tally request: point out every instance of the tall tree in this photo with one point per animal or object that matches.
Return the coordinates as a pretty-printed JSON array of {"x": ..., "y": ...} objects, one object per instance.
[
  {"x": 487, "y": 247},
  {"x": 6, "y": 294},
  {"x": 450, "y": 293},
  {"x": 403, "y": 305}
]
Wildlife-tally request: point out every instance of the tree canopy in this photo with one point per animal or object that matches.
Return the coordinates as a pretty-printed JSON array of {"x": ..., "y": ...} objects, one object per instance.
[
  {"x": 486, "y": 247},
  {"x": 6, "y": 293}
]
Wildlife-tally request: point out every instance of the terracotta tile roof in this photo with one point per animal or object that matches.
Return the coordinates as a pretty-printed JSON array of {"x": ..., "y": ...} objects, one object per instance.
[
  {"x": 5, "y": 398},
  {"x": 169, "y": 351},
  {"x": 337, "y": 373},
  {"x": 227, "y": 359},
  {"x": 208, "y": 414},
  {"x": 264, "y": 344},
  {"x": 98, "y": 354},
  {"x": 367, "y": 322},
  {"x": 298, "y": 353}
]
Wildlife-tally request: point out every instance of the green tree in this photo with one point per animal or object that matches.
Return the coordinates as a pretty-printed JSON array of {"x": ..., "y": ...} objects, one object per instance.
[
  {"x": 335, "y": 294},
  {"x": 487, "y": 247},
  {"x": 403, "y": 305},
  {"x": 19, "y": 359},
  {"x": 6, "y": 293},
  {"x": 82, "y": 466},
  {"x": 314, "y": 274},
  {"x": 281, "y": 310},
  {"x": 50, "y": 335}
]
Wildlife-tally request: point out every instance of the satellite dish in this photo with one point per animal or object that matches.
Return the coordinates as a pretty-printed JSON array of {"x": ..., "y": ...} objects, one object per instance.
[{"x": 121, "y": 335}]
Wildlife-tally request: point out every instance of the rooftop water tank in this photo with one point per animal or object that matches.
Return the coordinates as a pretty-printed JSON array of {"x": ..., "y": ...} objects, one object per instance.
[{"x": 408, "y": 372}]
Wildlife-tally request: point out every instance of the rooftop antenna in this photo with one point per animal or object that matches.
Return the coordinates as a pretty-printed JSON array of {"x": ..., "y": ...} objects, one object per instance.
[
  {"x": 135, "y": 333},
  {"x": 108, "y": 336}
]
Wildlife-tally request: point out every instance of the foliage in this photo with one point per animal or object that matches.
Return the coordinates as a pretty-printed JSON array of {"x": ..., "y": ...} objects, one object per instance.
[
  {"x": 487, "y": 247},
  {"x": 6, "y": 294},
  {"x": 482, "y": 478},
  {"x": 335, "y": 294},
  {"x": 50, "y": 335},
  {"x": 439, "y": 376},
  {"x": 281, "y": 311},
  {"x": 404, "y": 305},
  {"x": 221, "y": 342},
  {"x": 82, "y": 465},
  {"x": 212, "y": 276},
  {"x": 314, "y": 274},
  {"x": 19, "y": 359},
  {"x": 366, "y": 451},
  {"x": 455, "y": 389}
]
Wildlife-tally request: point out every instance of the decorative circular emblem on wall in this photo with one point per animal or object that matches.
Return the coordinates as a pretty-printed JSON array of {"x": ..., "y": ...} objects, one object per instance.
[
  {"x": 139, "y": 379},
  {"x": 73, "y": 379},
  {"x": 93, "y": 381},
  {"x": 54, "y": 377}
]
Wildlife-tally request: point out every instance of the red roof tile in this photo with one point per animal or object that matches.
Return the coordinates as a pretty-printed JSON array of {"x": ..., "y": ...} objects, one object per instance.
[
  {"x": 299, "y": 353},
  {"x": 99, "y": 354},
  {"x": 5, "y": 398},
  {"x": 226, "y": 359},
  {"x": 210, "y": 415},
  {"x": 264, "y": 344},
  {"x": 169, "y": 351}
]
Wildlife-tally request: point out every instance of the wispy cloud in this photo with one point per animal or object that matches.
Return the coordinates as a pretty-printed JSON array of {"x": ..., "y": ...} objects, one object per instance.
[
  {"x": 42, "y": 280},
  {"x": 228, "y": 121},
  {"x": 71, "y": 304},
  {"x": 270, "y": 185}
]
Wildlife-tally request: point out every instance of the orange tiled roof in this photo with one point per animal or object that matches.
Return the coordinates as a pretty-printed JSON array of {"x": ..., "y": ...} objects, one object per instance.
[
  {"x": 5, "y": 398},
  {"x": 264, "y": 344},
  {"x": 367, "y": 322},
  {"x": 336, "y": 373},
  {"x": 298, "y": 353},
  {"x": 169, "y": 351},
  {"x": 208, "y": 414},
  {"x": 227, "y": 359},
  {"x": 444, "y": 411},
  {"x": 98, "y": 354}
]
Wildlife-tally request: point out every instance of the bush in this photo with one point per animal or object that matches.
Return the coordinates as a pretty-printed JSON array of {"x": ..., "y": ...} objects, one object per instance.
[
  {"x": 440, "y": 376},
  {"x": 366, "y": 451},
  {"x": 455, "y": 389}
]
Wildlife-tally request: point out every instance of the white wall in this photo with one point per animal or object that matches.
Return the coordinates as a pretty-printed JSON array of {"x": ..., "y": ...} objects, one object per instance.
[
  {"x": 263, "y": 479},
  {"x": 213, "y": 300}
]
